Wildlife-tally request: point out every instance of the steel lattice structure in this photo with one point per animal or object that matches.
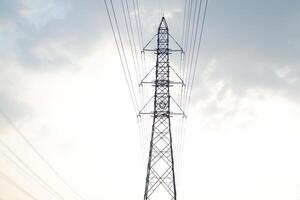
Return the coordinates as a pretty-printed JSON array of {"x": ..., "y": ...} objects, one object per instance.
[{"x": 160, "y": 180}]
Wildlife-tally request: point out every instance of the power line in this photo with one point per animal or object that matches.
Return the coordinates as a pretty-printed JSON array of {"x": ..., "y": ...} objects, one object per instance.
[
  {"x": 189, "y": 46},
  {"x": 183, "y": 33},
  {"x": 138, "y": 71},
  {"x": 139, "y": 18},
  {"x": 136, "y": 16},
  {"x": 132, "y": 33},
  {"x": 132, "y": 94},
  {"x": 189, "y": 41},
  {"x": 190, "y": 59},
  {"x": 122, "y": 47},
  {"x": 190, "y": 71},
  {"x": 18, "y": 187},
  {"x": 185, "y": 41},
  {"x": 131, "y": 36},
  {"x": 33, "y": 175},
  {"x": 187, "y": 31},
  {"x": 38, "y": 177},
  {"x": 182, "y": 137},
  {"x": 197, "y": 55},
  {"x": 181, "y": 89},
  {"x": 18, "y": 131},
  {"x": 136, "y": 7},
  {"x": 133, "y": 52},
  {"x": 183, "y": 130},
  {"x": 130, "y": 43},
  {"x": 184, "y": 69},
  {"x": 119, "y": 34}
]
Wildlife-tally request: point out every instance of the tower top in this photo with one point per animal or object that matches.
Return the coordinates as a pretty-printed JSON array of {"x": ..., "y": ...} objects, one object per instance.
[{"x": 163, "y": 23}]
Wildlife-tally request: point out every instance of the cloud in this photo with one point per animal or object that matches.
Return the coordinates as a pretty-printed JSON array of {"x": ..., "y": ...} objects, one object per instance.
[
  {"x": 51, "y": 35},
  {"x": 44, "y": 37},
  {"x": 248, "y": 56}
]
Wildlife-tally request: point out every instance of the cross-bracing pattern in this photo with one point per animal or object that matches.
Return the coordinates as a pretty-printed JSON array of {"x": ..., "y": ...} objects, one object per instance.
[{"x": 160, "y": 181}]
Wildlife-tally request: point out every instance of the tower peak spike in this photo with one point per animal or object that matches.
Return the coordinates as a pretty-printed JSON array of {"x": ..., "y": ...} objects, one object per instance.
[{"x": 163, "y": 23}]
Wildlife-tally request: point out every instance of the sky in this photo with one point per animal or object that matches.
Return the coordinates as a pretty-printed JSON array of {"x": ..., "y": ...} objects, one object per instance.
[{"x": 61, "y": 84}]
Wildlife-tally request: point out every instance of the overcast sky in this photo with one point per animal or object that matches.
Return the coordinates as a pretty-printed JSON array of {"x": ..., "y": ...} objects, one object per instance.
[{"x": 61, "y": 84}]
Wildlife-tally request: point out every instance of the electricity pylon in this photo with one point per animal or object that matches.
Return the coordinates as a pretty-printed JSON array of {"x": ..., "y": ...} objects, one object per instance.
[{"x": 160, "y": 180}]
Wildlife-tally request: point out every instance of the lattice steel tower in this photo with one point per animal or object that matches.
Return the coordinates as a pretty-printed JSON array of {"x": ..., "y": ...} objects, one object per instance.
[{"x": 160, "y": 180}]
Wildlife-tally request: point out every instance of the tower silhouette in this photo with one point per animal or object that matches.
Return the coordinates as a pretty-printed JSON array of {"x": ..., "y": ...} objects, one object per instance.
[{"x": 160, "y": 180}]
